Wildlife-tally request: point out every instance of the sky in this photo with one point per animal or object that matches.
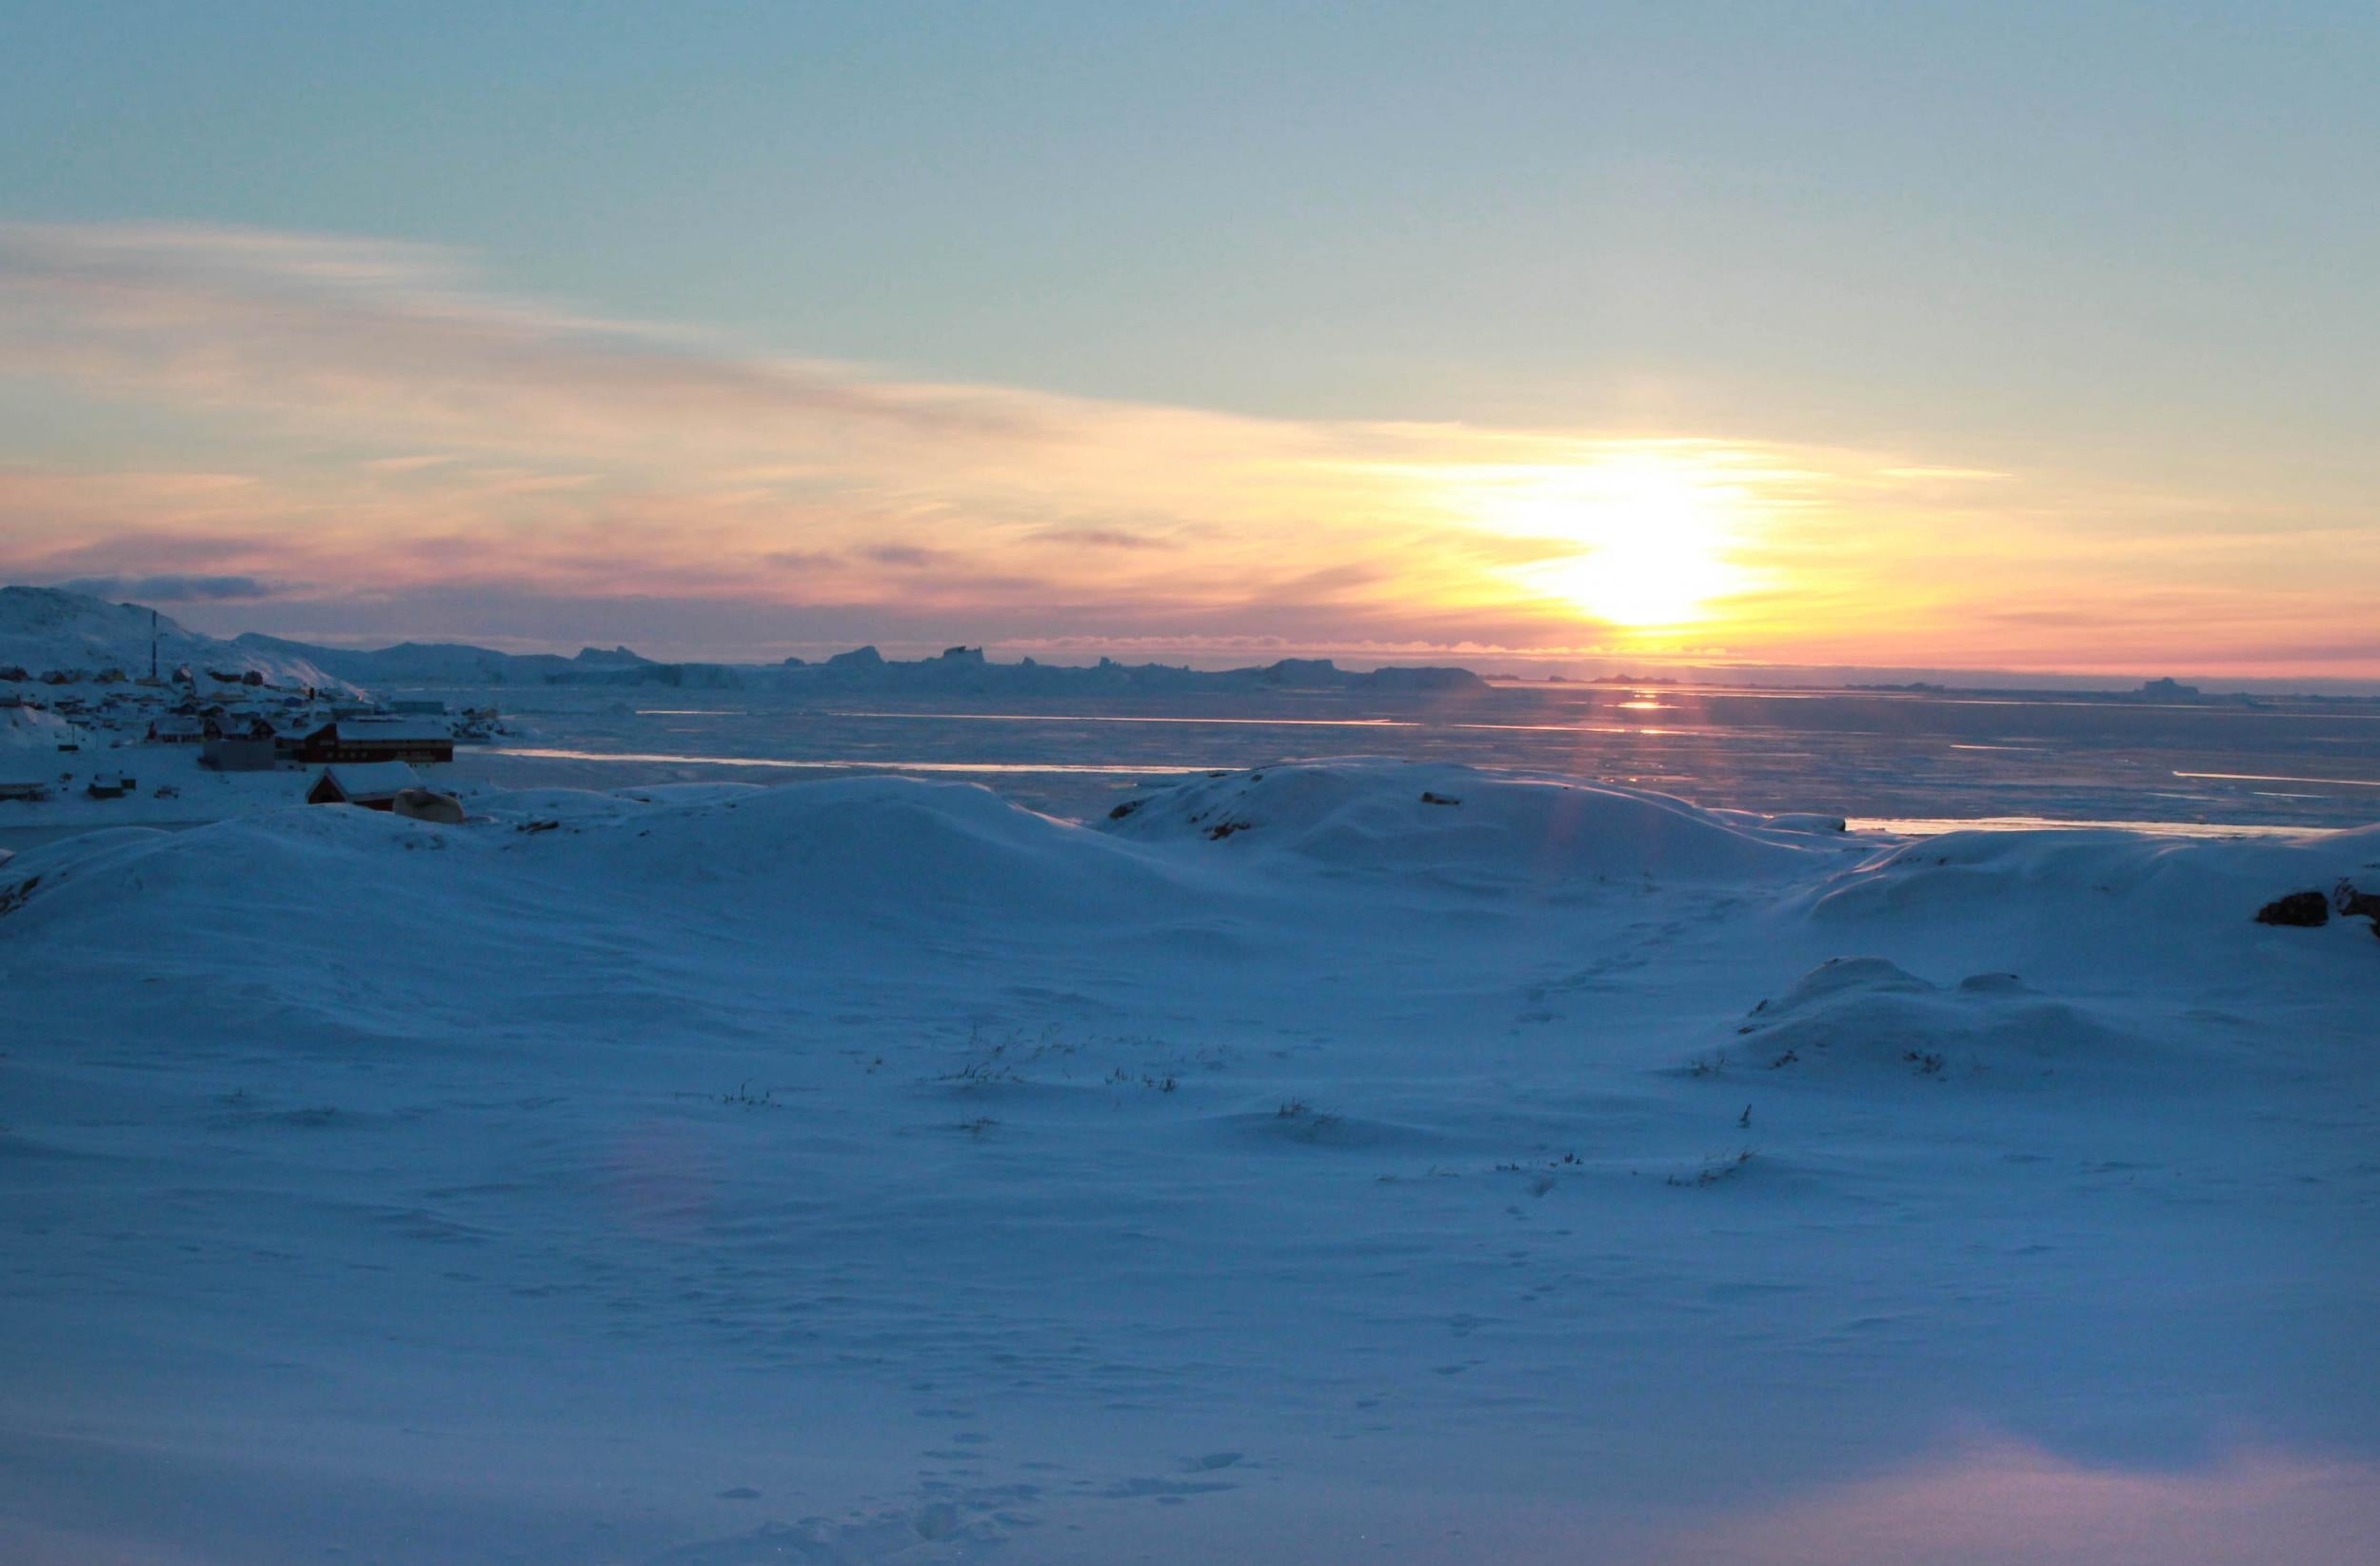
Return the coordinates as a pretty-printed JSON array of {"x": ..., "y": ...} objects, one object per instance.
[{"x": 2006, "y": 336}]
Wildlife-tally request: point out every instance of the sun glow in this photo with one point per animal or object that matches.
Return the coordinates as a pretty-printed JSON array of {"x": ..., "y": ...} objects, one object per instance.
[
  {"x": 1651, "y": 533},
  {"x": 1651, "y": 580}
]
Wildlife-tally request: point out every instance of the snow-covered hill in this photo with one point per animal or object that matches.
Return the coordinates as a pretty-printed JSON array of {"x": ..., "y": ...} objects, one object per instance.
[{"x": 49, "y": 628}]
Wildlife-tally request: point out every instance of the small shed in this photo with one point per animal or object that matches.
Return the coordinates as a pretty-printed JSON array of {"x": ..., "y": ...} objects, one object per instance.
[
  {"x": 429, "y": 806},
  {"x": 373, "y": 784}
]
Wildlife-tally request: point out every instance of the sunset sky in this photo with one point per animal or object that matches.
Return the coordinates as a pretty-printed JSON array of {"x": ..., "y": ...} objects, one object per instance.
[{"x": 1993, "y": 336}]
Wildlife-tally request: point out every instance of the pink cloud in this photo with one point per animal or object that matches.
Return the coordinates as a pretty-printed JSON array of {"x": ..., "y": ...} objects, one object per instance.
[{"x": 2011, "y": 1505}]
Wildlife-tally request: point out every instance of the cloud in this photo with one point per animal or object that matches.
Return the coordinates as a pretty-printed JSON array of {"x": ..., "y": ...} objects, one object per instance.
[
  {"x": 909, "y": 556},
  {"x": 2008, "y": 1502},
  {"x": 378, "y": 419},
  {"x": 173, "y": 589},
  {"x": 316, "y": 330},
  {"x": 1102, "y": 538}
]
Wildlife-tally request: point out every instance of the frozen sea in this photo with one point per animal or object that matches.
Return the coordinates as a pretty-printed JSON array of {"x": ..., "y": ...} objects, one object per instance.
[{"x": 1907, "y": 759}]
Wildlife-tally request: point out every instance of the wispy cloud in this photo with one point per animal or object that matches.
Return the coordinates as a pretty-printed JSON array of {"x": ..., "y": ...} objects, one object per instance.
[{"x": 319, "y": 331}]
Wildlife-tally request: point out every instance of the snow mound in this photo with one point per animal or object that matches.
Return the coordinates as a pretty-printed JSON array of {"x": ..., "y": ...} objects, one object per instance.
[
  {"x": 1396, "y": 817},
  {"x": 842, "y": 855},
  {"x": 690, "y": 793},
  {"x": 269, "y": 875},
  {"x": 2096, "y": 902},
  {"x": 897, "y": 849},
  {"x": 49, "y": 858},
  {"x": 513, "y": 806},
  {"x": 1858, "y": 1018}
]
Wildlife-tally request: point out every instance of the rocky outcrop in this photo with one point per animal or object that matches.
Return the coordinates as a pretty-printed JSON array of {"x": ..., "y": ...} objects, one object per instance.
[{"x": 2299, "y": 910}]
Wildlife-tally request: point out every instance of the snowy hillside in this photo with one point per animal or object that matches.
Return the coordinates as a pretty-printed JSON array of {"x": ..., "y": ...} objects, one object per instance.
[
  {"x": 1437, "y": 1165},
  {"x": 46, "y": 628}
]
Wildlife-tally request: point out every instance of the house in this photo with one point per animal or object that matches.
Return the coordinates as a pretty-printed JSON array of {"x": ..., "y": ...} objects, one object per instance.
[
  {"x": 239, "y": 754},
  {"x": 376, "y": 740},
  {"x": 31, "y": 792},
  {"x": 174, "y": 729},
  {"x": 237, "y": 725},
  {"x": 110, "y": 786},
  {"x": 373, "y": 784}
]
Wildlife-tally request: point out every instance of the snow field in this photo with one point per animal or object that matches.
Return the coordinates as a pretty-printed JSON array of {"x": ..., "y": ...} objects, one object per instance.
[{"x": 871, "y": 1170}]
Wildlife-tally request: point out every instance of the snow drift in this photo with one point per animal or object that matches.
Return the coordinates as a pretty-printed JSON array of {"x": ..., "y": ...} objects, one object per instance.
[
  {"x": 1393, "y": 817},
  {"x": 1866, "y": 1019},
  {"x": 2105, "y": 906}
]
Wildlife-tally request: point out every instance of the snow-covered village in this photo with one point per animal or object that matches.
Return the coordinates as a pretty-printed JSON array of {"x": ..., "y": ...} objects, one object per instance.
[
  {"x": 93, "y": 742},
  {"x": 1554, "y": 785}
]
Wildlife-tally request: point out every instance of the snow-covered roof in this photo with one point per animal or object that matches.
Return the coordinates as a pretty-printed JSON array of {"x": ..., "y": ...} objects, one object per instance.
[{"x": 365, "y": 779}]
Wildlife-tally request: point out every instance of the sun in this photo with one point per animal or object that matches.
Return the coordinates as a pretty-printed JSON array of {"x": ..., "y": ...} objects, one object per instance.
[
  {"x": 1640, "y": 540},
  {"x": 1644, "y": 580}
]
